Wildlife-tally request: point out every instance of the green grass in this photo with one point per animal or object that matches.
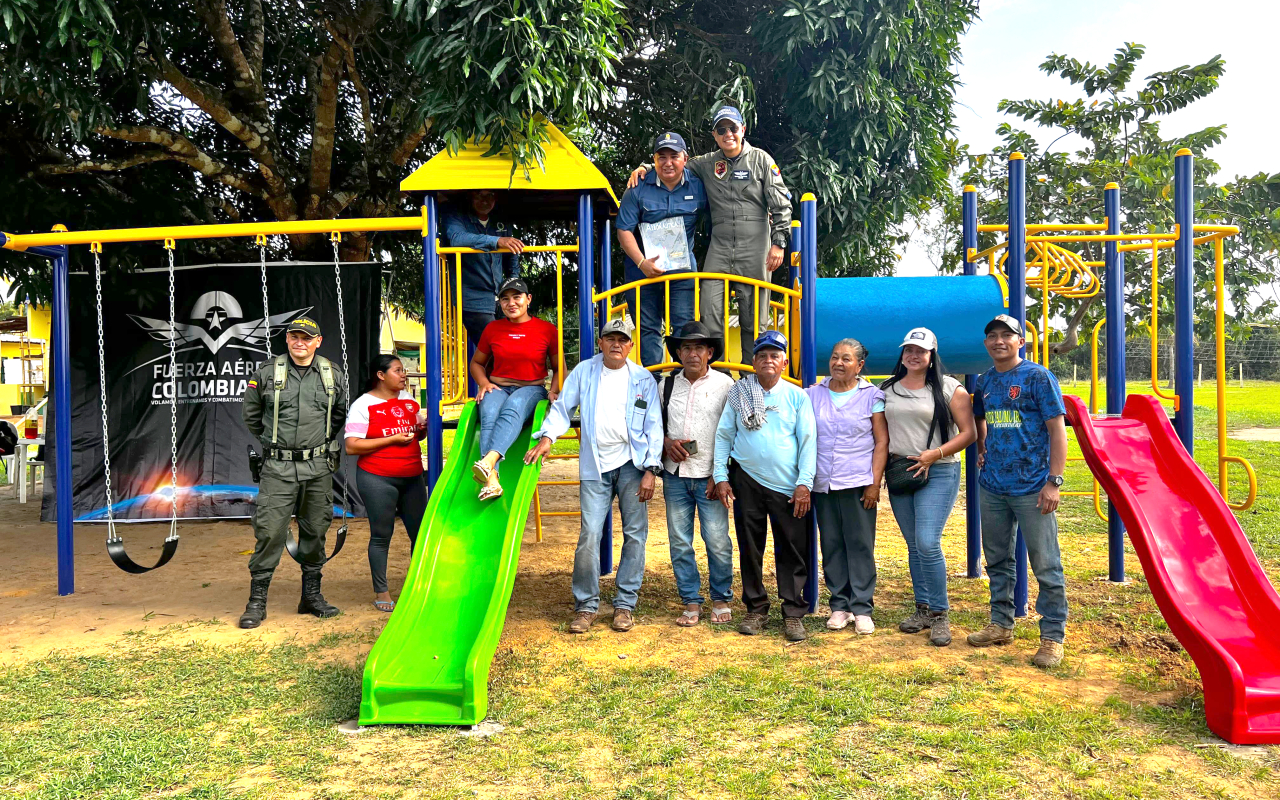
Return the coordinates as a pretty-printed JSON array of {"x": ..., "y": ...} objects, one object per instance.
[
  {"x": 161, "y": 716},
  {"x": 201, "y": 721}
]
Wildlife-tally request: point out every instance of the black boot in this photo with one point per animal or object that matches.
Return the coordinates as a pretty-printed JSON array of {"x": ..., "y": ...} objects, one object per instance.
[
  {"x": 312, "y": 601},
  {"x": 255, "y": 611}
]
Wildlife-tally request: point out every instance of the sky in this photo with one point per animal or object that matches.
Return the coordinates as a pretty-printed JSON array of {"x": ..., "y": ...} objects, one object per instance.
[{"x": 1002, "y": 51}]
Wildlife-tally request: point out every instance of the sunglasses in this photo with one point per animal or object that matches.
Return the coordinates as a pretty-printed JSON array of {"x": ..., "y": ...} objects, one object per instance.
[{"x": 721, "y": 130}]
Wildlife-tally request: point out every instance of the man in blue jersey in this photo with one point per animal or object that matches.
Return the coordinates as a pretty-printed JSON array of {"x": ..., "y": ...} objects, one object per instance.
[{"x": 1022, "y": 453}]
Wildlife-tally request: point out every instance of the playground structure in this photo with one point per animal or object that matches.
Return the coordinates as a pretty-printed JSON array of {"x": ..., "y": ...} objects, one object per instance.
[{"x": 431, "y": 663}]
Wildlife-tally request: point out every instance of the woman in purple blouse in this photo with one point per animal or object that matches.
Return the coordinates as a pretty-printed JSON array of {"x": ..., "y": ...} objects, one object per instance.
[{"x": 853, "y": 448}]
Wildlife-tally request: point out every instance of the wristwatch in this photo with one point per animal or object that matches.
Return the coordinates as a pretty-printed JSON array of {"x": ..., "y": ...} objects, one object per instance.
[
  {"x": 654, "y": 471},
  {"x": 1056, "y": 480}
]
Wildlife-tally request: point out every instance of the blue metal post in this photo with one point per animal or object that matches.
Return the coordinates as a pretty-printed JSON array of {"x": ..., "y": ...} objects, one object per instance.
[
  {"x": 62, "y": 422},
  {"x": 972, "y": 513},
  {"x": 1114, "y": 289},
  {"x": 1183, "y": 299},
  {"x": 605, "y": 268},
  {"x": 1016, "y": 271},
  {"x": 433, "y": 369},
  {"x": 793, "y": 259},
  {"x": 808, "y": 352},
  {"x": 587, "y": 335}
]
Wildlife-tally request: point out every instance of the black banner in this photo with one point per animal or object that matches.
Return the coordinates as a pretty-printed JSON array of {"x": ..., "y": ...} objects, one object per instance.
[{"x": 222, "y": 338}]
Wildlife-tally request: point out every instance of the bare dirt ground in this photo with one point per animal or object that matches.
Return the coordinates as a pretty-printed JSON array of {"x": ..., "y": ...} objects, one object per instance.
[{"x": 1256, "y": 434}]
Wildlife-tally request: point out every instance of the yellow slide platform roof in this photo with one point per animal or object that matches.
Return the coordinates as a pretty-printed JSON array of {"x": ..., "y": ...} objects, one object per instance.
[{"x": 566, "y": 170}]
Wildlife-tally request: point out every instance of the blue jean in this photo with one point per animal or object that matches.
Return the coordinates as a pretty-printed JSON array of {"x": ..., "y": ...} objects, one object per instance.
[
  {"x": 596, "y": 498},
  {"x": 1002, "y": 516},
  {"x": 653, "y": 311},
  {"x": 503, "y": 413},
  {"x": 683, "y": 497},
  {"x": 922, "y": 516}
]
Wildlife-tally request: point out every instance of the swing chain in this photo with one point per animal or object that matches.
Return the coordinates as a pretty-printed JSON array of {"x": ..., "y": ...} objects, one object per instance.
[
  {"x": 335, "y": 238},
  {"x": 266, "y": 315},
  {"x": 96, "y": 249},
  {"x": 173, "y": 399}
]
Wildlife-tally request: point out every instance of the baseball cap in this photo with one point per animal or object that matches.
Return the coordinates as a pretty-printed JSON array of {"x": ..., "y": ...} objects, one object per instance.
[
  {"x": 730, "y": 113},
  {"x": 1007, "y": 321},
  {"x": 305, "y": 325},
  {"x": 772, "y": 339},
  {"x": 514, "y": 285},
  {"x": 920, "y": 337},
  {"x": 670, "y": 141},
  {"x": 620, "y": 325}
]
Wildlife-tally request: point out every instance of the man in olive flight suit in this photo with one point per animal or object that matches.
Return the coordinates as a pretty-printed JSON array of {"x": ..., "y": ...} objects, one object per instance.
[
  {"x": 296, "y": 405},
  {"x": 750, "y": 223}
]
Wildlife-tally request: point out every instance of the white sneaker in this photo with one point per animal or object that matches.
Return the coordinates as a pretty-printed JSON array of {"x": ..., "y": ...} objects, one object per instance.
[
  {"x": 839, "y": 620},
  {"x": 863, "y": 624}
]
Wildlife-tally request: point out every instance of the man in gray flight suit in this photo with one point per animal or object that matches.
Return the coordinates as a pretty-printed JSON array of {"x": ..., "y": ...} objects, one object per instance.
[
  {"x": 750, "y": 223},
  {"x": 296, "y": 405}
]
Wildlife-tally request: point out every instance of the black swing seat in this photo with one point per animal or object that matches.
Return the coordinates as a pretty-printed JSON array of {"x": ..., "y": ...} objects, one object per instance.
[
  {"x": 291, "y": 545},
  {"x": 115, "y": 549}
]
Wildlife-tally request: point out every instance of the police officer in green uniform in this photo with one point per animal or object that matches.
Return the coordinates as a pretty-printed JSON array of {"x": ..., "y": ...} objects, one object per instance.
[
  {"x": 296, "y": 405},
  {"x": 750, "y": 222}
]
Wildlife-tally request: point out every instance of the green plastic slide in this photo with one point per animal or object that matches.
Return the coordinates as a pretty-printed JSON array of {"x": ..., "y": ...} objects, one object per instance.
[{"x": 430, "y": 666}]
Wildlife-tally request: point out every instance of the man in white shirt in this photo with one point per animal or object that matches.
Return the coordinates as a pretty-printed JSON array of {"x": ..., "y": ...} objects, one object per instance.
[
  {"x": 620, "y": 456},
  {"x": 692, "y": 401}
]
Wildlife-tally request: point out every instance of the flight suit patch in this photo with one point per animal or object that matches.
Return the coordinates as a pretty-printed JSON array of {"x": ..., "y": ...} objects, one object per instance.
[
  {"x": 722, "y": 169},
  {"x": 742, "y": 174}
]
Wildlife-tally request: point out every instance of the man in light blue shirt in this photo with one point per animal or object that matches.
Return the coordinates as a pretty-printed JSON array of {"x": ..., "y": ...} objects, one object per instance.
[
  {"x": 620, "y": 455},
  {"x": 769, "y": 431}
]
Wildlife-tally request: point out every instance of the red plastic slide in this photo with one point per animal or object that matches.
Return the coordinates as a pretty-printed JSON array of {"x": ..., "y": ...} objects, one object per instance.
[{"x": 1199, "y": 566}]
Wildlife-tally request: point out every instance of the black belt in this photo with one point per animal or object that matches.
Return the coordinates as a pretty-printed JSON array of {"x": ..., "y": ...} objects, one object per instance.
[{"x": 308, "y": 454}]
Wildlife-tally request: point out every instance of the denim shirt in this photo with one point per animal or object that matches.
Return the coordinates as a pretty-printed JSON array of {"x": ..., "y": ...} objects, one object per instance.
[
  {"x": 846, "y": 441},
  {"x": 651, "y": 201},
  {"x": 644, "y": 422},
  {"x": 482, "y": 273}
]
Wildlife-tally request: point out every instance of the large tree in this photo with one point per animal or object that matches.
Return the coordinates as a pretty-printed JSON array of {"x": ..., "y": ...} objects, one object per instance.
[
  {"x": 1118, "y": 126},
  {"x": 853, "y": 98},
  {"x": 207, "y": 111},
  {"x": 149, "y": 112}
]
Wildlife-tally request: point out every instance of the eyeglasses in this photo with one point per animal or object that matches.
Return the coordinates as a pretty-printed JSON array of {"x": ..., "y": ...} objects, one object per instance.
[{"x": 721, "y": 130}]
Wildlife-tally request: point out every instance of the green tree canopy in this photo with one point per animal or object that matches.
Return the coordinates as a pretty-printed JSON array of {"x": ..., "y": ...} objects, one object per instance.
[
  {"x": 1122, "y": 143},
  {"x": 142, "y": 112},
  {"x": 853, "y": 99}
]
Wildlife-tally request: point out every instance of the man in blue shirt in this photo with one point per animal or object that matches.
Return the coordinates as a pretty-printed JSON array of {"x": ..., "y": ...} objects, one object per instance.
[
  {"x": 768, "y": 429},
  {"x": 1022, "y": 452},
  {"x": 656, "y": 221},
  {"x": 482, "y": 273},
  {"x": 620, "y": 455}
]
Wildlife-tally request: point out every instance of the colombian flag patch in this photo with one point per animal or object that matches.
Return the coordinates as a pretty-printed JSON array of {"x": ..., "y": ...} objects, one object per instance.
[{"x": 253, "y": 383}]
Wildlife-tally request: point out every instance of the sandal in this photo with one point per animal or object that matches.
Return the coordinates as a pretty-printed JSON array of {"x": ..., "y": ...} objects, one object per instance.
[
  {"x": 386, "y": 606},
  {"x": 490, "y": 492},
  {"x": 722, "y": 615},
  {"x": 689, "y": 618},
  {"x": 481, "y": 473}
]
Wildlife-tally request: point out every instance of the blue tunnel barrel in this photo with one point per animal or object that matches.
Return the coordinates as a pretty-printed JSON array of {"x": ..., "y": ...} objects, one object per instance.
[{"x": 879, "y": 311}]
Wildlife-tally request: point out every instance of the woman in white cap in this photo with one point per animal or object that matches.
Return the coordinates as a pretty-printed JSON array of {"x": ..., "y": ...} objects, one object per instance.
[{"x": 930, "y": 418}]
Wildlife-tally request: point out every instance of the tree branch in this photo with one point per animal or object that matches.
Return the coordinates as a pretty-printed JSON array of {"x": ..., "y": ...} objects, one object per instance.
[
  {"x": 218, "y": 21},
  {"x": 322, "y": 135},
  {"x": 110, "y": 165},
  {"x": 349, "y": 56},
  {"x": 410, "y": 143},
  {"x": 209, "y": 100},
  {"x": 256, "y": 35},
  {"x": 181, "y": 149}
]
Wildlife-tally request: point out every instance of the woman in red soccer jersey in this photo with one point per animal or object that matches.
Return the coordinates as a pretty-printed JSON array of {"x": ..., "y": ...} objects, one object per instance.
[
  {"x": 384, "y": 428},
  {"x": 510, "y": 369}
]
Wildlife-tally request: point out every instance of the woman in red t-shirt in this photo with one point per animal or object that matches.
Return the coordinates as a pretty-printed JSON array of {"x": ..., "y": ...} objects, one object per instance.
[
  {"x": 384, "y": 428},
  {"x": 509, "y": 367}
]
